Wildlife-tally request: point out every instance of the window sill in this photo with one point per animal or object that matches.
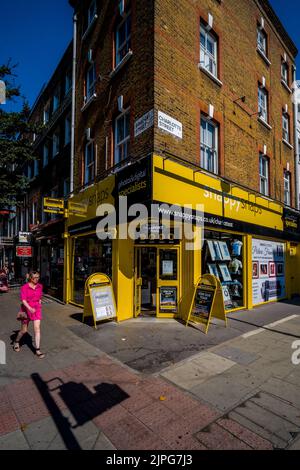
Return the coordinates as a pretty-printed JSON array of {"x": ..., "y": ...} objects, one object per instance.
[
  {"x": 286, "y": 86},
  {"x": 288, "y": 144},
  {"x": 89, "y": 27},
  {"x": 121, "y": 64},
  {"x": 264, "y": 123},
  {"x": 210, "y": 75},
  {"x": 87, "y": 104},
  {"x": 267, "y": 61}
]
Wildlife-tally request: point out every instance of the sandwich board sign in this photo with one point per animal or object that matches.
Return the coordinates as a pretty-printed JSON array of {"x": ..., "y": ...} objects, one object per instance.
[
  {"x": 207, "y": 302},
  {"x": 99, "y": 299}
]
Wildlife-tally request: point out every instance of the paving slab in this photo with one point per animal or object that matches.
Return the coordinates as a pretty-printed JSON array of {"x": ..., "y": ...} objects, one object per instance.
[
  {"x": 14, "y": 441},
  {"x": 284, "y": 390},
  {"x": 236, "y": 355}
]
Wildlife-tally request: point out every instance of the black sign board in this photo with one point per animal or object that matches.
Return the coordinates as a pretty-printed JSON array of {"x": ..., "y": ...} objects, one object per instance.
[
  {"x": 291, "y": 221},
  {"x": 135, "y": 182},
  {"x": 203, "y": 301}
]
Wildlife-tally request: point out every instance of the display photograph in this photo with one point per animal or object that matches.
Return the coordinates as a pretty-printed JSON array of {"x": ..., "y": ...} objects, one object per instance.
[{"x": 150, "y": 231}]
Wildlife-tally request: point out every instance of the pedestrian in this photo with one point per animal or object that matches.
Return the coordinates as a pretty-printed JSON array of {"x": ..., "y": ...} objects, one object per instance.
[{"x": 31, "y": 298}]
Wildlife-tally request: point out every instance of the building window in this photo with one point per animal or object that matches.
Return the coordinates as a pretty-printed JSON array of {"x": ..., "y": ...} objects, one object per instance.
[
  {"x": 122, "y": 136},
  {"x": 264, "y": 175},
  {"x": 67, "y": 130},
  {"x": 55, "y": 144},
  {"x": 46, "y": 114},
  {"x": 67, "y": 187},
  {"x": 208, "y": 51},
  {"x": 262, "y": 41},
  {"x": 263, "y": 103},
  {"x": 285, "y": 72},
  {"x": 285, "y": 127},
  {"x": 91, "y": 82},
  {"x": 89, "y": 163},
  {"x": 287, "y": 188},
  {"x": 209, "y": 146},
  {"x": 36, "y": 167},
  {"x": 68, "y": 82},
  {"x": 123, "y": 38},
  {"x": 56, "y": 100},
  {"x": 45, "y": 155}
]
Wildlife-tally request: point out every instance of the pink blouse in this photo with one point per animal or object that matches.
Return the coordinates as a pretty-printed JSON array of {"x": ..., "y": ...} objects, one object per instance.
[{"x": 33, "y": 297}]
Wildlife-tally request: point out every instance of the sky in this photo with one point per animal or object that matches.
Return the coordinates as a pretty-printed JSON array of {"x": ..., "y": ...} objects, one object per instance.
[{"x": 35, "y": 34}]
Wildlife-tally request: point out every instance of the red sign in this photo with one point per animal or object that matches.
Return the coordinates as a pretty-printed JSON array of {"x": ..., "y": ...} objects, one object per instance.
[{"x": 24, "y": 251}]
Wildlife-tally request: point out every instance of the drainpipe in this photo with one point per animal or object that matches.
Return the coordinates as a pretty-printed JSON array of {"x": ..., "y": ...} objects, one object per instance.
[
  {"x": 297, "y": 150},
  {"x": 73, "y": 105}
]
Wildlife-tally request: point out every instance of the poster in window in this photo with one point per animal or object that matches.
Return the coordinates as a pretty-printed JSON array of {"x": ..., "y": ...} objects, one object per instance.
[
  {"x": 213, "y": 269},
  {"x": 224, "y": 251},
  {"x": 225, "y": 272},
  {"x": 212, "y": 251},
  {"x": 167, "y": 268},
  {"x": 255, "y": 270},
  {"x": 218, "y": 251},
  {"x": 168, "y": 297},
  {"x": 272, "y": 269}
]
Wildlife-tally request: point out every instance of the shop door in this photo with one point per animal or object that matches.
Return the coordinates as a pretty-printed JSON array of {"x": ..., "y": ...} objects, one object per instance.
[
  {"x": 168, "y": 285},
  {"x": 138, "y": 283}
]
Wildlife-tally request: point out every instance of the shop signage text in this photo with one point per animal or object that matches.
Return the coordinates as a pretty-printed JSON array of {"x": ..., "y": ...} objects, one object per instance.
[
  {"x": 54, "y": 206},
  {"x": 170, "y": 125},
  {"x": 24, "y": 252},
  {"x": 144, "y": 123}
]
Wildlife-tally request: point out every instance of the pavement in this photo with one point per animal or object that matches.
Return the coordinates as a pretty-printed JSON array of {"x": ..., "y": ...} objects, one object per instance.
[{"x": 150, "y": 384}]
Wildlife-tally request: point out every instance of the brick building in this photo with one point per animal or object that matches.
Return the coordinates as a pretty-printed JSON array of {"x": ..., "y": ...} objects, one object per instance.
[
  {"x": 49, "y": 176},
  {"x": 184, "y": 103}
]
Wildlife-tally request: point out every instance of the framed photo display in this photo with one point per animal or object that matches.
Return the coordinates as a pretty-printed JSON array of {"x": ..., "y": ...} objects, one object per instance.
[
  {"x": 225, "y": 272},
  {"x": 224, "y": 251},
  {"x": 213, "y": 269}
]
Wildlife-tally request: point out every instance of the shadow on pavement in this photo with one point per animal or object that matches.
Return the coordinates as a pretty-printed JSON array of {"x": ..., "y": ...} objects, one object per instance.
[
  {"x": 25, "y": 341},
  {"x": 80, "y": 401}
]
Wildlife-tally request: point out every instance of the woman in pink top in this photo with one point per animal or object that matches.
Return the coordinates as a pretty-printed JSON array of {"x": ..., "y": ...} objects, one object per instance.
[{"x": 31, "y": 298}]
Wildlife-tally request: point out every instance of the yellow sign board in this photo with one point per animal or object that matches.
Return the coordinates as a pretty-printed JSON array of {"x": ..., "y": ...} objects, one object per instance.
[
  {"x": 207, "y": 302},
  {"x": 54, "y": 206},
  {"x": 99, "y": 299}
]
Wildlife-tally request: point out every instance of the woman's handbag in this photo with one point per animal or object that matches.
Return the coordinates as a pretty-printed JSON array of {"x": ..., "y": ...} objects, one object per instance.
[{"x": 21, "y": 316}]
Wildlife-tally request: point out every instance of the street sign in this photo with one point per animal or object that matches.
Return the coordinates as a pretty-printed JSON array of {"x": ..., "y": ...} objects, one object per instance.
[
  {"x": 77, "y": 208},
  {"x": 54, "y": 206},
  {"x": 24, "y": 251},
  {"x": 24, "y": 237}
]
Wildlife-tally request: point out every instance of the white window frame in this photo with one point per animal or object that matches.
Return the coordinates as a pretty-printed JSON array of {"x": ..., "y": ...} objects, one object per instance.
[
  {"x": 126, "y": 44},
  {"x": 121, "y": 145},
  {"x": 56, "y": 100},
  {"x": 264, "y": 178},
  {"x": 285, "y": 72},
  {"x": 47, "y": 114},
  {"x": 262, "y": 41},
  {"x": 285, "y": 127},
  {"x": 209, "y": 164},
  {"x": 208, "y": 61},
  {"x": 287, "y": 188},
  {"x": 91, "y": 166},
  {"x": 90, "y": 87},
  {"x": 263, "y": 103},
  {"x": 92, "y": 12},
  {"x": 56, "y": 142}
]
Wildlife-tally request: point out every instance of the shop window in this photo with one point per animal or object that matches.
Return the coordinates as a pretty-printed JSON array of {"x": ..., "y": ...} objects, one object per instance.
[
  {"x": 208, "y": 51},
  {"x": 122, "y": 136},
  {"x": 222, "y": 256},
  {"x": 89, "y": 163},
  {"x": 209, "y": 146},
  {"x": 68, "y": 82},
  {"x": 264, "y": 175},
  {"x": 123, "y": 38},
  {"x": 91, "y": 256},
  {"x": 287, "y": 188},
  {"x": 168, "y": 269}
]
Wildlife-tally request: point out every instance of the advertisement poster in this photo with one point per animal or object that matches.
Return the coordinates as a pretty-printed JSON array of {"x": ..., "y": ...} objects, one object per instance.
[
  {"x": 203, "y": 301},
  {"x": 103, "y": 303},
  {"x": 168, "y": 297},
  {"x": 268, "y": 268}
]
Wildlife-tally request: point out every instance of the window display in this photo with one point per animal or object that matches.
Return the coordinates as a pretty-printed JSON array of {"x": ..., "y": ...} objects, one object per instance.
[
  {"x": 91, "y": 255},
  {"x": 223, "y": 257}
]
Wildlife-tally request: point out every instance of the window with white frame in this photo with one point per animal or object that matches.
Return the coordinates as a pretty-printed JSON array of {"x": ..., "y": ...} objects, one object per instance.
[
  {"x": 208, "y": 51},
  {"x": 45, "y": 155},
  {"x": 285, "y": 127},
  {"x": 264, "y": 175},
  {"x": 287, "y": 188},
  {"x": 68, "y": 82},
  {"x": 68, "y": 129},
  {"x": 263, "y": 103},
  {"x": 91, "y": 81},
  {"x": 122, "y": 136},
  {"x": 262, "y": 41},
  {"x": 284, "y": 72},
  {"x": 123, "y": 38},
  {"x": 89, "y": 163},
  {"x": 209, "y": 146},
  {"x": 55, "y": 143}
]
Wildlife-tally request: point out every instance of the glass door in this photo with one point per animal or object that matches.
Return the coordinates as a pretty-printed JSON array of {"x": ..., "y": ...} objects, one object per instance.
[
  {"x": 168, "y": 275},
  {"x": 138, "y": 283}
]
